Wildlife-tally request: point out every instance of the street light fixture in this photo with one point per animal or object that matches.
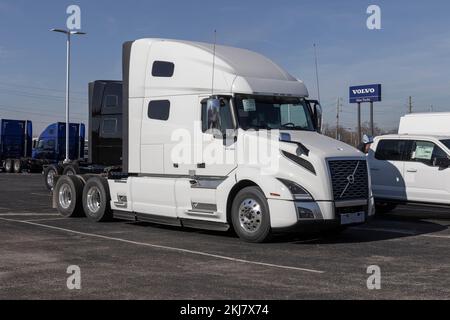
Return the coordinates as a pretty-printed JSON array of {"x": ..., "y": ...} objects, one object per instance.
[{"x": 68, "y": 33}]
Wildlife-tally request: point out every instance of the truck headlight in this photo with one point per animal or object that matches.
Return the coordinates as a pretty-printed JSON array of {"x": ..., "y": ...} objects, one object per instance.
[{"x": 297, "y": 191}]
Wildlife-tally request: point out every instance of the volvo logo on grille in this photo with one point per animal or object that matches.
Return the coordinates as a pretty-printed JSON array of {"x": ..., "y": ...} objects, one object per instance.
[{"x": 351, "y": 179}]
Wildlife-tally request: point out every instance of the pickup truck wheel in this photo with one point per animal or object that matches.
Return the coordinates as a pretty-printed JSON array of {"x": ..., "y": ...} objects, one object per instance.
[
  {"x": 96, "y": 200},
  {"x": 8, "y": 166},
  {"x": 17, "y": 166},
  {"x": 68, "y": 195},
  {"x": 71, "y": 170},
  {"x": 49, "y": 175},
  {"x": 250, "y": 215}
]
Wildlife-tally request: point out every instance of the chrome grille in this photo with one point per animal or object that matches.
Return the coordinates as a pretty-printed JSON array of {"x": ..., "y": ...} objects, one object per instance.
[{"x": 349, "y": 179}]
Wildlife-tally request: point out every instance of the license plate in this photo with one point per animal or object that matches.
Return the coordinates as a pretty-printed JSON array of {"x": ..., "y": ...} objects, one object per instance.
[{"x": 355, "y": 217}]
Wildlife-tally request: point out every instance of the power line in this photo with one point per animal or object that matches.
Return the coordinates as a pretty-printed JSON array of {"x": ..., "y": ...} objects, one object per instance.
[{"x": 39, "y": 88}]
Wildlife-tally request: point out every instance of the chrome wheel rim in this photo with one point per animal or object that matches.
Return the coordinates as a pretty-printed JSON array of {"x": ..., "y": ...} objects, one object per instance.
[
  {"x": 250, "y": 215},
  {"x": 8, "y": 166},
  {"x": 93, "y": 199},
  {"x": 16, "y": 166},
  {"x": 51, "y": 177},
  {"x": 65, "y": 196},
  {"x": 70, "y": 173}
]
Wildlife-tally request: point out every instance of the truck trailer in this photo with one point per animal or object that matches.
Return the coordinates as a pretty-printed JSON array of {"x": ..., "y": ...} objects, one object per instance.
[
  {"x": 182, "y": 95},
  {"x": 19, "y": 153}
]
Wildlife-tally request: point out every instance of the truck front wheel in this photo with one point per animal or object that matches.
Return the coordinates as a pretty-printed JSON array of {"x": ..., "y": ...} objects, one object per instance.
[
  {"x": 8, "y": 166},
  {"x": 49, "y": 175},
  {"x": 68, "y": 195},
  {"x": 96, "y": 199},
  {"x": 250, "y": 215}
]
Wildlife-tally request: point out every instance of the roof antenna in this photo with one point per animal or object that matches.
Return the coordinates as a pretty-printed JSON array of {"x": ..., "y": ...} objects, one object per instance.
[
  {"x": 317, "y": 72},
  {"x": 214, "y": 62}
]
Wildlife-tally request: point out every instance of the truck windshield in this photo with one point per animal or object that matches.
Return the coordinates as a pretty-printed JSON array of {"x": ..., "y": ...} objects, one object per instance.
[
  {"x": 273, "y": 112},
  {"x": 446, "y": 143}
]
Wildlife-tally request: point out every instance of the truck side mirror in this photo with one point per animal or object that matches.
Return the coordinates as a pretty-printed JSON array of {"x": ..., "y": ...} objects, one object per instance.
[
  {"x": 317, "y": 115},
  {"x": 442, "y": 163}
]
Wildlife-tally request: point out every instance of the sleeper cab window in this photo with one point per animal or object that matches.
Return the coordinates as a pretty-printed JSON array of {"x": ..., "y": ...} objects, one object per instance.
[
  {"x": 159, "y": 109},
  {"x": 112, "y": 101},
  {"x": 163, "y": 69}
]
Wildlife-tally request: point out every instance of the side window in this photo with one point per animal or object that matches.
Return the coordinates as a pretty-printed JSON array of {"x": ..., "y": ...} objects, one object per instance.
[
  {"x": 159, "y": 110},
  {"x": 163, "y": 69},
  {"x": 111, "y": 101},
  {"x": 109, "y": 126},
  {"x": 225, "y": 121},
  {"x": 391, "y": 150},
  {"x": 426, "y": 152}
]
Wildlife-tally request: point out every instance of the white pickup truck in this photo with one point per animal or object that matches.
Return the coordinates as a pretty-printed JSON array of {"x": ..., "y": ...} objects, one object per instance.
[
  {"x": 196, "y": 97},
  {"x": 412, "y": 167}
]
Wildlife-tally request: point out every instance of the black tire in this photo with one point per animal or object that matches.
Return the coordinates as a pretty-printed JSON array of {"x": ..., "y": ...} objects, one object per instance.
[
  {"x": 382, "y": 208},
  {"x": 71, "y": 169},
  {"x": 96, "y": 199},
  {"x": 250, "y": 215},
  {"x": 49, "y": 173},
  {"x": 17, "y": 166},
  {"x": 68, "y": 196},
  {"x": 9, "y": 166}
]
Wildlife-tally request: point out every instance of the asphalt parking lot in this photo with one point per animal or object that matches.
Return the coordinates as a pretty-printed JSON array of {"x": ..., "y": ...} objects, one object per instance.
[{"x": 122, "y": 260}]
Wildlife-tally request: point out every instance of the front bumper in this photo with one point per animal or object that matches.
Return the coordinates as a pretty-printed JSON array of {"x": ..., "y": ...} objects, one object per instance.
[{"x": 295, "y": 216}]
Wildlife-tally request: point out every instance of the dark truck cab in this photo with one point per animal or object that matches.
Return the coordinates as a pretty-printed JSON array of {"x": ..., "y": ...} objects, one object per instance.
[
  {"x": 104, "y": 136},
  {"x": 15, "y": 141},
  {"x": 18, "y": 154}
]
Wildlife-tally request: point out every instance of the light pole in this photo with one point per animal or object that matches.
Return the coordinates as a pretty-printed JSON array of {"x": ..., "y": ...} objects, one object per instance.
[{"x": 68, "y": 33}]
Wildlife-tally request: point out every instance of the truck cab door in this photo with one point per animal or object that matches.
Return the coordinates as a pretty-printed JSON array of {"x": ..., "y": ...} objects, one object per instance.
[
  {"x": 426, "y": 181},
  {"x": 216, "y": 159}
]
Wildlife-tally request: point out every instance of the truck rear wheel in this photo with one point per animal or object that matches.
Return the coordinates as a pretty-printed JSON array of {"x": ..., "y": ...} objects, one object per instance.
[
  {"x": 17, "y": 166},
  {"x": 8, "y": 166},
  {"x": 250, "y": 215},
  {"x": 96, "y": 199},
  {"x": 49, "y": 175},
  {"x": 68, "y": 195},
  {"x": 71, "y": 169}
]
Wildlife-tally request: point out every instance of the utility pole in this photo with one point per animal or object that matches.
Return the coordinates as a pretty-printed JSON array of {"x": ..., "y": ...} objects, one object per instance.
[
  {"x": 410, "y": 104},
  {"x": 338, "y": 110}
]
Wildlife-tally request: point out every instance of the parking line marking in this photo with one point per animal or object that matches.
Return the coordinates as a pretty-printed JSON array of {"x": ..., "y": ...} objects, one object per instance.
[
  {"x": 405, "y": 232},
  {"x": 12, "y": 214},
  {"x": 199, "y": 253},
  {"x": 435, "y": 236},
  {"x": 48, "y": 219},
  {"x": 386, "y": 230}
]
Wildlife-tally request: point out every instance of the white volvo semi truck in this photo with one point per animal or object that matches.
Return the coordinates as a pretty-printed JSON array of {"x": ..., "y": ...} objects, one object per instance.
[{"x": 195, "y": 119}]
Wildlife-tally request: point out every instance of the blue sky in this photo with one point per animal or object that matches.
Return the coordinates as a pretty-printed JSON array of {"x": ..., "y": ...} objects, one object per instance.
[{"x": 409, "y": 56}]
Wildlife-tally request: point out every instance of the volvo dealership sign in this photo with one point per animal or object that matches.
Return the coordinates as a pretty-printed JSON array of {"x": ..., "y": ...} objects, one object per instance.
[{"x": 367, "y": 93}]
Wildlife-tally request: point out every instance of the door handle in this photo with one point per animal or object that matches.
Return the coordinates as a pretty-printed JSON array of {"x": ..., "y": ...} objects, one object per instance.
[
  {"x": 411, "y": 170},
  {"x": 201, "y": 165}
]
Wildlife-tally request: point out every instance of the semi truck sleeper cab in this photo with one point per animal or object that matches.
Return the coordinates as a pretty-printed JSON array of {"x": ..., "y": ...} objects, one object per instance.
[{"x": 312, "y": 180}]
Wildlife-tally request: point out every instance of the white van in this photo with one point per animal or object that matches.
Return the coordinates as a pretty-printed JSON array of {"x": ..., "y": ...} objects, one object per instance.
[
  {"x": 412, "y": 167},
  {"x": 188, "y": 96}
]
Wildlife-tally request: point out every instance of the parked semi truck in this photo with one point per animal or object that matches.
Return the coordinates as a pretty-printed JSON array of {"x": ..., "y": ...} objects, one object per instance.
[
  {"x": 220, "y": 98},
  {"x": 19, "y": 153},
  {"x": 104, "y": 135}
]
